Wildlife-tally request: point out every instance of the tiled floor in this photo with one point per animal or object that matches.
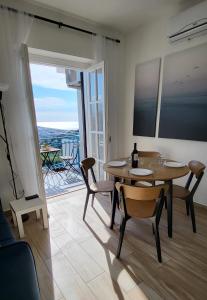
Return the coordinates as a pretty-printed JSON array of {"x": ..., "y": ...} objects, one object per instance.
[{"x": 75, "y": 260}]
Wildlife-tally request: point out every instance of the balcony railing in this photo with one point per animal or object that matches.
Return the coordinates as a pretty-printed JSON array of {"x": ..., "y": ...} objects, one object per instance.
[{"x": 60, "y": 163}]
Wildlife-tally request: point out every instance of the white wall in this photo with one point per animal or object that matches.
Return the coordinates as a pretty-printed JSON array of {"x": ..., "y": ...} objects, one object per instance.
[
  {"x": 49, "y": 37},
  {"x": 143, "y": 45},
  {"x": 5, "y": 174}
]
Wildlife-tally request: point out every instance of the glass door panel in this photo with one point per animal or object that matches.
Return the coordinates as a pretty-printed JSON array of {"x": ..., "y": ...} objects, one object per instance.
[
  {"x": 93, "y": 116},
  {"x": 96, "y": 114},
  {"x": 100, "y": 84},
  {"x": 92, "y": 81},
  {"x": 100, "y": 116},
  {"x": 100, "y": 170},
  {"x": 100, "y": 147},
  {"x": 93, "y": 145}
]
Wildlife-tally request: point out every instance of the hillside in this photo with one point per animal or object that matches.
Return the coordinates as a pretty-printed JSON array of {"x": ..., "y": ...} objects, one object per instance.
[{"x": 54, "y": 137}]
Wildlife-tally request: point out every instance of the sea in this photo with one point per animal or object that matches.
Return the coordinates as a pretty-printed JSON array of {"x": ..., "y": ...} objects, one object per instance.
[{"x": 59, "y": 125}]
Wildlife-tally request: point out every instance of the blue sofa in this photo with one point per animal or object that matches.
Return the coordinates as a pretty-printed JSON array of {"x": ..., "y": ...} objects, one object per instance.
[{"x": 18, "y": 276}]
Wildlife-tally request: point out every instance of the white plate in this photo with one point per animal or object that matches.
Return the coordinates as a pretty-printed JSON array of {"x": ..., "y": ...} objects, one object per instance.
[
  {"x": 117, "y": 163},
  {"x": 140, "y": 172},
  {"x": 174, "y": 164}
]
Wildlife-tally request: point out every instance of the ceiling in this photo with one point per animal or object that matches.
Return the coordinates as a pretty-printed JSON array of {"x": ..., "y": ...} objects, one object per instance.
[{"x": 121, "y": 15}]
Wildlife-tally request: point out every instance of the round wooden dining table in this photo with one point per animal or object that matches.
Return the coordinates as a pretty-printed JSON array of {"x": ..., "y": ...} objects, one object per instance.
[{"x": 159, "y": 173}]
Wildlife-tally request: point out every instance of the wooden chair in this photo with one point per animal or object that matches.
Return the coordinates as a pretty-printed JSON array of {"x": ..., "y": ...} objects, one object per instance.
[
  {"x": 96, "y": 187},
  {"x": 186, "y": 193},
  {"x": 149, "y": 154},
  {"x": 141, "y": 202}
]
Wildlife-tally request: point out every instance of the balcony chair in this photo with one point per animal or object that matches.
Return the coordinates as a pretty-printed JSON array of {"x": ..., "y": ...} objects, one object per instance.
[
  {"x": 187, "y": 194},
  {"x": 96, "y": 186},
  {"x": 70, "y": 156},
  {"x": 141, "y": 202}
]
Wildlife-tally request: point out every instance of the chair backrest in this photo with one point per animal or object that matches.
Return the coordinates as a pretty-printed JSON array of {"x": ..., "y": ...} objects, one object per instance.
[
  {"x": 139, "y": 202},
  {"x": 67, "y": 147},
  {"x": 70, "y": 148},
  {"x": 149, "y": 154},
  {"x": 197, "y": 169},
  {"x": 86, "y": 165}
]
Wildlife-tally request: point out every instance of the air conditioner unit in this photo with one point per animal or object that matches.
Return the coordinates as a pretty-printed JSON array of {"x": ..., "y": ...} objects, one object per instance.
[
  {"x": 189, "y": 24},
  {"x": 73, "y": 78}
]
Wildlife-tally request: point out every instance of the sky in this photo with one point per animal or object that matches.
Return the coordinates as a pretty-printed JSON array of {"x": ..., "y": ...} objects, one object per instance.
[{"x": 55, "y": 103}]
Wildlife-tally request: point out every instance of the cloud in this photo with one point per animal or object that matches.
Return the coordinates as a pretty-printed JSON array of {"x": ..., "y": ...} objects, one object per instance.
[
  {"x": 48, "y": 77},
  {"x": 55, "y": 109},
  {"x": 49, "y": 103},
  {"x": 55, "y": 103},
  {"x": 57, "y": 116}
]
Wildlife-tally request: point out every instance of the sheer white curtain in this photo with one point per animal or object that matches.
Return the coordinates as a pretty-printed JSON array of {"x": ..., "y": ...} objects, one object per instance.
[
  {"x": 14, "y": 31},
  {"x": 111, "y": 53}
]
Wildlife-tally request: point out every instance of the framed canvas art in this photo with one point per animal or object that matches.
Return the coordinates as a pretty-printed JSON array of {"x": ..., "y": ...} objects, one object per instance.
[
  {"x": 146, "y": 98},
  {"x": 184, "y": 95}
]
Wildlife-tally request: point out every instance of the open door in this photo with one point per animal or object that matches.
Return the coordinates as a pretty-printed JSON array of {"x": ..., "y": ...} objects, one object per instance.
[
  {"x": 35, "y": 157},
  {"x": 96, "y": 117}
]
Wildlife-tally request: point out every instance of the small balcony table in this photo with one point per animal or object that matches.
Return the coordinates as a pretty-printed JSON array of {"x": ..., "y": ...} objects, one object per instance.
[{"x": 48, "y": 156}]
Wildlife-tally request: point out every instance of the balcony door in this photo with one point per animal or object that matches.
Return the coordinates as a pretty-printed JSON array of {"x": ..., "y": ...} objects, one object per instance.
[{"x": 96, "y": 108}]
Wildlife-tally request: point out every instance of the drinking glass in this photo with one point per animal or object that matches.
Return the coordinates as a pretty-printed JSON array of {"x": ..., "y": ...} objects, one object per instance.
[
  {"x": 129, "y": 160},
  {"x": 162, "y": 161}
]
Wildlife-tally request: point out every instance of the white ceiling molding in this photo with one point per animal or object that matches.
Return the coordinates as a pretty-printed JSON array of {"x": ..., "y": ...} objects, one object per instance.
[{"x": 40, "y": 56}]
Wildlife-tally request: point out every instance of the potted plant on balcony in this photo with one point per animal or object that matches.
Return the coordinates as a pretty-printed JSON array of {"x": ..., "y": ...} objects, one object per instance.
[{"x": 45, "y": 146}]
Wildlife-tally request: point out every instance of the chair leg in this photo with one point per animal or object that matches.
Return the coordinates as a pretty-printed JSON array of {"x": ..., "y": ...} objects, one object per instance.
[
  {"x": 153, "y": 230},
  {"x": 165, "y": 202},
  {"x": 187, "y": 206},
  {"x": 121, "y": 236},
  {"x": 111, "y": 195},
  {"x": 92, "y": 201},
  {"x": 191, "y": 206},
  {"x": 157, "y": 240},
  {"x": 86, "y": 204}
]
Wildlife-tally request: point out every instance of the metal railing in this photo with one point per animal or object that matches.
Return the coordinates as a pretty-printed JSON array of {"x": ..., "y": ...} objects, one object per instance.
[{"x": 61, "y": 170}]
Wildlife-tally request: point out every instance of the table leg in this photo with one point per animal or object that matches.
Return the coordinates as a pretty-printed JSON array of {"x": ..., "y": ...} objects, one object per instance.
[
  {"x": 20, "y": 225},
  {"x": 114, "y": 203},
  {"x": 170, "y": 208},
  {"x": 44, "y": 160},
  {"x": 14, "y": 218},
  {"x": 45, "y": 218},
  {"x": 43, "y": 157},
  {"x": 38, "y": 214},
  {"x": 71, "y": 168},
  {"x": 47, "y": 159},
  {"x": 51, "y": 161}
]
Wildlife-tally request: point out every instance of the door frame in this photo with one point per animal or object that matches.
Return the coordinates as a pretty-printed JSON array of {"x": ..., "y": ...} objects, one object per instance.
[
  {"x": 55, "y": 61},
  {"x": 84, "y": 115},
  {"x": 26, "y": 62}
]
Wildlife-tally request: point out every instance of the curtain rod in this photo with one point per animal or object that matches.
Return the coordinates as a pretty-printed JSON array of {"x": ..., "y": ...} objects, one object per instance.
[{"x": 60, "y": 24}]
